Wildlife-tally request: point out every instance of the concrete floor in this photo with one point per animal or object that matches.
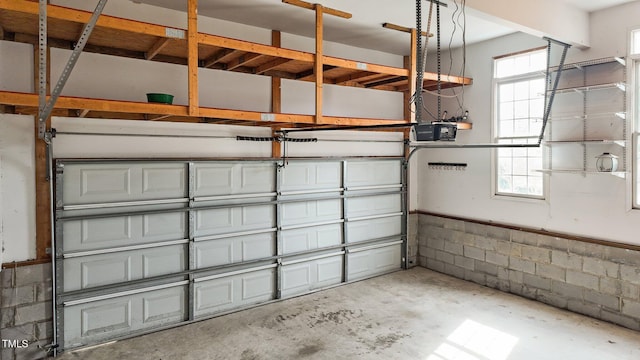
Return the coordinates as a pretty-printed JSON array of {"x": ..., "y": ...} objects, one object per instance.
[{"x": 415, "y": 314}]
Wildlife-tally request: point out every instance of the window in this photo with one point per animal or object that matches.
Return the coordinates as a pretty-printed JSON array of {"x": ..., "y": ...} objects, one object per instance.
[
  {"x": 519, "y": 106},
  {"x": 635, "y": 56}
]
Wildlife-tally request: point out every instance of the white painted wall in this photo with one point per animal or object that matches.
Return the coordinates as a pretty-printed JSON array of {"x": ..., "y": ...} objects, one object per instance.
[
  {"x": 593, "y": 205},
  {"x": 17, "y": 188},
  {"x": 109, "y": 77}
]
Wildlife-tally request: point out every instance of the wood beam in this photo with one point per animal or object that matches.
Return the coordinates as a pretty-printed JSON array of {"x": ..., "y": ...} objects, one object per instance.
[
  {"x": 356, "y": 65},
  {"x": 192, "y": 44},
  {"x": 276, "y": 98},
  {"x": 411, "y": 63},
  {"x": 219, "y": 56},
  {"x": 1, "y": 33},
  {"x": 242, "y": 60},
  {"x": 43, "y": 197},
  {"x": 310, "y": 6},
  {"x": 222, "y": 42},
  {"x": 156, "y": 48},
  {"x": 318, "y": 66},
  {"x": 404, "y": 29},
  {"x": 82, "y": 113},
  {"x": 311, "y": 74},
  {"x": 261, "y": 69}
]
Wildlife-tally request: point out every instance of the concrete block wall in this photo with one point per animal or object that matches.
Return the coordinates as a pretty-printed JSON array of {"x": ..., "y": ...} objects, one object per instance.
[
  {"x": 595, "y": 280},
  {"x": 412, "y": 240},
  {"x": 25, "y": 312}
]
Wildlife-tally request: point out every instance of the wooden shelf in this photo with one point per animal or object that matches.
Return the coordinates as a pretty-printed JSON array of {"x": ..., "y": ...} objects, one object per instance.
[
  {"x": 621, "y": 143},
  {"x": 134, "y": 39}
]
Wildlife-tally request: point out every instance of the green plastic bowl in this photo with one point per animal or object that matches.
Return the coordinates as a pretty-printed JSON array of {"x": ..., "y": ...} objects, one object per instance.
[{"x": 159, "y": 98}]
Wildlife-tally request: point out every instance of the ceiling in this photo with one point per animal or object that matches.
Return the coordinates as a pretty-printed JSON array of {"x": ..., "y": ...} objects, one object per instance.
[{"x": 364, "y": 29}]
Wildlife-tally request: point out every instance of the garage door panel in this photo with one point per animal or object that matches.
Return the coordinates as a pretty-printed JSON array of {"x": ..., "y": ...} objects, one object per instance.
[
  {"x": 100, "y": 320},
  {"x": 311, "y": 176},
  {"x": 374, "y": 229},
  {"x": 234, "y": 249},
  {"x": 373, "y": 262},
  {"x": 220, "y": 179},
  {"x": 112, "y": 268},
  {"x": 108, "y": 183},
  {"x": 313, "y": 274},
  {"x": 311, "y": 238},
  {"x": 236, "y": 219},
  {"x": 373, "y": 173},
  {"x": 119, "y": 231},
  {"x": 231, "y": 292},
  {"x": 374, "y": 205},
  {"x": 310, "y": 212}
]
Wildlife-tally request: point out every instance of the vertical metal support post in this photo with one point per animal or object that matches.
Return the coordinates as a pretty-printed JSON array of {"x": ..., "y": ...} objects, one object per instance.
[
  {"x": 279, "y": 240},
  {"x": 42, "y": 68},
  {"x": 319, "y": 62},
  {"x": 405, "y": 216},
  {"x": 57, "y": 266},
  {"x": 345, "y": 230},
  {"x": 73, "y": 59},
  {"x": 584, "y": 120},
  {"x": 191, "y": 248}
]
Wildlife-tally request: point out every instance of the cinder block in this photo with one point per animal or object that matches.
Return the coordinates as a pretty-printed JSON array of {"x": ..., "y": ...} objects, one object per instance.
[
  {"x": 427, "y": 252},
  {"x": 434, "y": 265},
  {"x": 453, "y": 248},
  {"x": 619, "y": 319},
  {"x": 18, "y": 295},
  {"x": 435, "y": 243},
  {"x": 453, "y": 224},
  {"x": 444, "y": 257},
  {"x": 486, "y": 268},
  {"x": 536, "y": 254},
  {"x": 631, "y": 308},
  {"x": 497, "y": 259},
  {"x": 503, "y": 247},
  {"x": 622, "y": 256},
  {"x": 550, "y": 298},
  {"x": 516, "y": 277},
  {"x": 475, "y": 277},
  {"x": 439, "y": 233},
  {"x": 464, "y": 262},
  {"x": 22, "y": 332},
  {"x": 524, "y": 237},
  {"x": 553, "y": 243},
  {"x": 464, "y": 238},
  {"x": 610, "y": 286},
  {"x": 454, "y": 271},
  {"x": 566, "y": 260},
  {"x": 609, "y": 301},
  {"x": 585, "y": 309},
  {"x": 551, "y": 272},
  {"x": 586, "y": 249},
  {"x": 630, "y": 274},
  {"x": 485, "y": 243},
  {"x": 33, "y": 313},
  {"x": 515, "y": 250},
  {"x": 431, "y": 220},
  {"x": 474, "y": 252},
  {"x": 600, "y": 267},
  {"x": 6, "y": 317},
  {"x": 522, "y": 290},
  {"x": 475, "y": 229},
  {"x": 422, "y": 261},
  {"x": 7, "y": 354},
  {"x": 492, "y": 282},
  {"x": 33, "y": 352},
  {"x": 503, "y": 273},
  {"x": 44, "y": 330},
  {"x": 6, "y": 278},
  {"x": 583, "y": 279},
  {"x": 26, "y": 275},
  {"x": 567, "y": 291},
  {"x": 630, "y": 291},
  {"x": 537, "y": 282},
  {"x": 518, "y": 264},
  {"x": 498, "y": 233}
]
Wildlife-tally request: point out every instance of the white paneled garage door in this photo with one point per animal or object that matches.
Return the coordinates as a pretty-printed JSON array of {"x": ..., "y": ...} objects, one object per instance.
[{"x": 142, "y": 245}]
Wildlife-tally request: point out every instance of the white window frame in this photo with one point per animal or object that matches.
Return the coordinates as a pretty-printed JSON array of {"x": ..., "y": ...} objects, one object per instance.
[{"x": 496, "y": 82}]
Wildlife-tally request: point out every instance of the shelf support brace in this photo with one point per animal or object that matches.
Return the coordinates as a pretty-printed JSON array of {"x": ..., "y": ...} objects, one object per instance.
[
  {"x": 192, "y": 44},
  {"x": 318, "y": 65},
  {"x": 552, "y": 94},
  {"x": 42, "y": 68},
  {"x": 45, "y": 111}
]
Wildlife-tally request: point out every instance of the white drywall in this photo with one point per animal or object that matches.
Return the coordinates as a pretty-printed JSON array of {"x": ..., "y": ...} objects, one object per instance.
[
  {"x": 592, "y": 205},
  {"x": 17, "y": 188},
  {"x": 15, "y": 73}
]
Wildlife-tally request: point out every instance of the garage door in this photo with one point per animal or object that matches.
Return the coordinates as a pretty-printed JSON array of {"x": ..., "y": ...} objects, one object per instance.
[{"x": 143, "y": 245}]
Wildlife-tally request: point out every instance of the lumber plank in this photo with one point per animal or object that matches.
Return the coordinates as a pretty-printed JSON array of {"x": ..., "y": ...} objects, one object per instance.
[
  {"x": 192, "y": 15},
  {"x": 156, "y": 48},
  {"x": 310, "y": 6}
]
